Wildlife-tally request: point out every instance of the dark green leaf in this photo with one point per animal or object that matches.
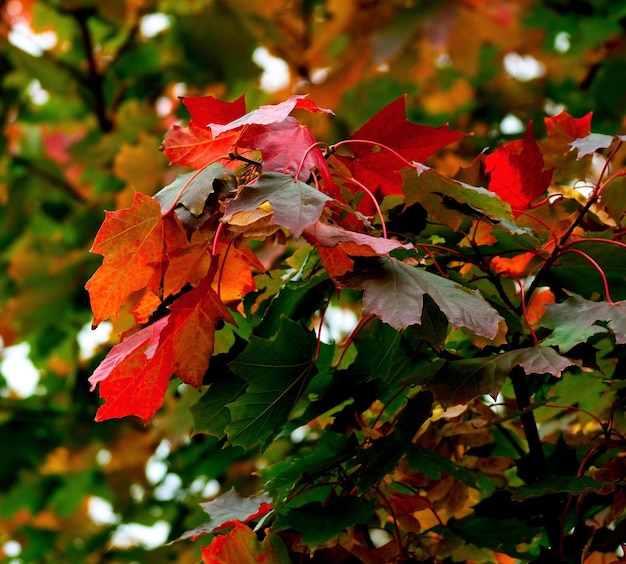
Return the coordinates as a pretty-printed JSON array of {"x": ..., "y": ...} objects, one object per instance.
[{"x": 277, "y": 371}]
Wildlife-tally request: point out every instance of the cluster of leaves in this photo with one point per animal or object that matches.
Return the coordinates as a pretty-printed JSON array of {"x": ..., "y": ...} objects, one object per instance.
[
  {"x": 83, "y": 105},
  {"x": 502, "y": 282}
]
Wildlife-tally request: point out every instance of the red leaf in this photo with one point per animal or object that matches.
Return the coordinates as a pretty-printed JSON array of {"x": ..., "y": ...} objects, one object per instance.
[
  {"x": 133, "y": 377},
  {"x": 235, "y": 267},
  {"x": 196, "y": 147},
  {"x": 191, "y": 330},
  {"x": 565, "y": 127},
  {"x": 377, "y": 167},
  {"x": 207, "y": 109},
  {"x": 517, "y": 174},
  {"x": 266, "y": 115},
  {"x": 134, "y": 243},
  {"x": 284, "y": 146},
  {"x": 241, "y": 546}
]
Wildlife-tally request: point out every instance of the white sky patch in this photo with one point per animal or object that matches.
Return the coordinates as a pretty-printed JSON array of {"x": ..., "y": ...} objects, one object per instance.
[
  {"x": 101, "y": 512},
  {"x": 511, "y": 125},
  {"x": 562, "y": 42},
  {"x": 552, "y": 108},
  {"x": 523, "y": 68},
  {"x": 133, "y": 534},
  {"x": 153, "y": 24},
  {"x": 22, "y": 37},
  {"x": 12, "y": 548},
  {"x": 275, "y": 70},
  {"x": 90, "y": 339},
  {"x": 20, "y": 373},
  {"x": 38, "y": 95},
  {"x": 338, "y": 324}
]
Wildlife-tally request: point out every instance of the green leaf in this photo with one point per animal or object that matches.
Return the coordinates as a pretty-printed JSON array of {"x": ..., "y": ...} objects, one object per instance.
[
  {"x": 394, "y": 291},
  {"x": 277, "y": 371},
  {"x": 451, "y": 202},
  {"x": 574, "y": 321},
  {"x": 432, "y": 464},
  {"x": 465, "y": 379},
  {"x": 295, "y": 205},
  {"x": 313, "y": 460},
  {"x": 210, "y": 414},
  {"x": 192, "y": 189},
  {"x": 378, "y": 460},
  {"x": 575, "y": 485},
  {"x": 318, "y": 523}
]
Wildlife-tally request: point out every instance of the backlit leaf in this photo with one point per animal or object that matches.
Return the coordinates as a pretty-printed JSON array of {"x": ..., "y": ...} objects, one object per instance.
[{"x": 517, "y": 172}]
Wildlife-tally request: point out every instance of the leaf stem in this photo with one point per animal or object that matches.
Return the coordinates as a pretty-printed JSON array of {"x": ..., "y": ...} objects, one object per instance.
[
  {"x": 374, "y": 201},
  {"x": 605, "y": 282},
  {"x": 334, "y": 147}
]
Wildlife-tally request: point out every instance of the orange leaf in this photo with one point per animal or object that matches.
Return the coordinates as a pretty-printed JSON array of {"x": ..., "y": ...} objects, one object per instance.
[
  {"x": 133, "y": 242},
  {"x": 241, "y": 546},
  {"x": 515, "y": 266},
  {"x": 538, "y": 303},
  {"x": 192, "y": 330},
  {"x": 235, "y": 278},
  {"x": 196, "y": 147}
]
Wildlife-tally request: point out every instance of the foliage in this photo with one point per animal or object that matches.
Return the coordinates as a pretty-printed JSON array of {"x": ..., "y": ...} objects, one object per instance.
[{"x": 475, "y": 410}]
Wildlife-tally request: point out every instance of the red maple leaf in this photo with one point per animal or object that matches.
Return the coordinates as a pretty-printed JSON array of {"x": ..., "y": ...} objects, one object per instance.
[
  {"x": 134, "y": 375},
  {"x": 196, "y": 147},
  {"x": 134, "y": 242},
  {"x": 564, "y": 126},
  {"x": 376, "y": 167},
  {"x": 287, "y": 147},
  {"x": 266, "y": 115},
  {"x": 517, "y": 172},
  {"x": 191, "y": 330},
  {"x": 207, "y": 109}
]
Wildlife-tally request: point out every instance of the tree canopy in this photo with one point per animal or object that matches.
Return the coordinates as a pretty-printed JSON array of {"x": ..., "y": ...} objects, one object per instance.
[{"x": 445, "y": 179}]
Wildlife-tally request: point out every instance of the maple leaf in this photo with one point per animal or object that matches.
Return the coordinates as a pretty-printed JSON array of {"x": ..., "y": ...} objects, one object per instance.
[
  {"x": 517, "y": 172},
  {"x": 242, "y": 546},
  {"x": 394, "y": 292},
  {"x": 134, "y": 242},
  {"x": 295, "y": 205},
  {"x": 277, "y": 371},
  {"x": 196, "y": 146},
  {"x": 336, "y": 245},
  {"x": 234, "y": 279},
  {"x": 191, "y": 329},
  {"x": 575, "y": 320},
  {"x": 192, "y": 189},
  {"x": 227, "y": 509},
  {"x": 594, "y": 142},
  {"x": 378, "y": 168},
  {"x": 266, "y": 115},
  {"x": 207, "y": 109},
  {"x": 134, "y": 375},
  {"x": 287, "y": 147},
  {"x": 462, "y": 380}
]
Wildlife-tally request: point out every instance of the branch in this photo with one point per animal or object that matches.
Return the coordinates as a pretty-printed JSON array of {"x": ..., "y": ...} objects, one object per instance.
[{"x": 94, "y": 79}]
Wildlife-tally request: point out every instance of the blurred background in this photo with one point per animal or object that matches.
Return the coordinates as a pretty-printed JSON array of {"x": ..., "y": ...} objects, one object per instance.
[{"x": 88, "y": 88}]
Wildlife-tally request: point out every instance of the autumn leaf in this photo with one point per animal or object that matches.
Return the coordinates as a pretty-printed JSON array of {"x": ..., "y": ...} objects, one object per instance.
[
  {"x": 134, "y": 242},
  {"x": 266, "y": 115},
  {"x": 133, "y": 377},
  {"x": 196, "y": 147},
  {"x": 517, "y": 172},
  {"x": 207, "y": 109},
  {"x": 377, "y": 167},
  {"x": 191, "y": 329},
  {"x": 228, "y": 509},
  {"x": 234, "y": 278},
  {"x": 295, "y": 205},
  {"x": 514, "y": 266},
  {"x": 287, "y": 147},
  {"x": 394, "y": 292}
]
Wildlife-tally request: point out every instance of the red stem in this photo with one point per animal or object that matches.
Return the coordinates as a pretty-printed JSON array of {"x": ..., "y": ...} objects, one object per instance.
[
  {"x": 334, "y": 147},
  {"x": 369, "y": 193},
  {"x": 605, "y": 282}
]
